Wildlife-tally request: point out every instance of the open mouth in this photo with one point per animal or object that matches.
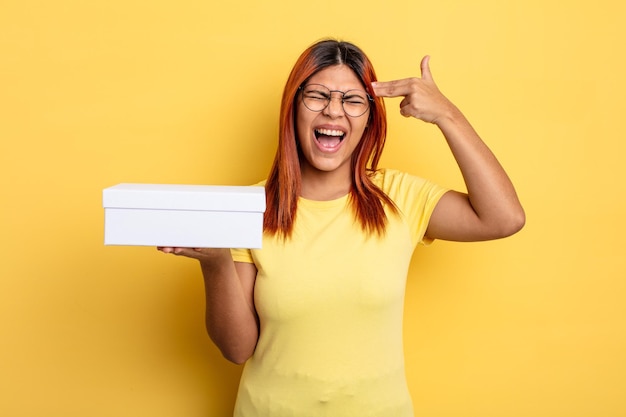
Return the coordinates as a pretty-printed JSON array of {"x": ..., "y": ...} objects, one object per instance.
[{"x": 329, "y": 138}]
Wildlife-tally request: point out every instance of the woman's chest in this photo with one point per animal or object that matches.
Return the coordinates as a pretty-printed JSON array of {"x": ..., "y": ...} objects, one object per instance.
[{"x": 330, "y": 264}]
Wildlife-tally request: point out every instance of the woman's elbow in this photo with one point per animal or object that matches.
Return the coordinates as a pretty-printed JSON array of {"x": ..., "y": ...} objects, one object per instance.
[
  {"x": 513, "y": 223},
  {"x": 237, "y": 358},
  {"x": 235, "y": 352}
]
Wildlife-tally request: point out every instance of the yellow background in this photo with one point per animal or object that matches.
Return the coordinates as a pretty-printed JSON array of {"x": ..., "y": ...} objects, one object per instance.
[{"x": 93, "y": 93}]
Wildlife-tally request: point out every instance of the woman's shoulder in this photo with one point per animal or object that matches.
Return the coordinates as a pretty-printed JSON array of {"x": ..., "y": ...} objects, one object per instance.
[
  {"x": 404, "y": 187},
  {"x": 388, "y": 179}
]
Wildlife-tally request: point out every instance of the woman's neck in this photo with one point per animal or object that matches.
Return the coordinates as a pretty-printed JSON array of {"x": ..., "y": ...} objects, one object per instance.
[{"x": 324, "y": 186}]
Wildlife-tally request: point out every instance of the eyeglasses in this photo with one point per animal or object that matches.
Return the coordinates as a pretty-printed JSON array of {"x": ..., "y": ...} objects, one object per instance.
[{"x": 316, "y": 97}]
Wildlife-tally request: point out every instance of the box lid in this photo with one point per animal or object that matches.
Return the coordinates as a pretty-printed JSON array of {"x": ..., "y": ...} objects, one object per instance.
[{"x": 185, "y": 197}]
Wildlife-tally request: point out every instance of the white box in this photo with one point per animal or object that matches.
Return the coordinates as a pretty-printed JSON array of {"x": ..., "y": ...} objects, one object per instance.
[{"x": 195, "y": 216}]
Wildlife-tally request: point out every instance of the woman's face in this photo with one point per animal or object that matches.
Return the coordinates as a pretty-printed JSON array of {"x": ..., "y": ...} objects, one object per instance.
[{"x": 328, "y": 138}]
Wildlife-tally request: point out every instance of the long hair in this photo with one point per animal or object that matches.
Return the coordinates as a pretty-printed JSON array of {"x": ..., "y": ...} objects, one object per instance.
[{"x": 284, "y": 181}]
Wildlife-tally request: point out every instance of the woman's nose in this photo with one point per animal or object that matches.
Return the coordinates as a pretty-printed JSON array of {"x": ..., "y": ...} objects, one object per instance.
[{"x": 335, "y": 107}]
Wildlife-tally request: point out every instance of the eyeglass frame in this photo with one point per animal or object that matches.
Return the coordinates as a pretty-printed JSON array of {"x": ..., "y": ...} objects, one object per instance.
[{"x": 369, "y": 102}]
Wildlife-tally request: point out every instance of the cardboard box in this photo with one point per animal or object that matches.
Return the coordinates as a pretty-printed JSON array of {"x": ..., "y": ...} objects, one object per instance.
[{"x": 197, "y": 216}]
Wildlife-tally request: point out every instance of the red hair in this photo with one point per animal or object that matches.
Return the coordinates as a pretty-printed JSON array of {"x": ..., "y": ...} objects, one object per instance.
[{"x": 282, "y": 188}]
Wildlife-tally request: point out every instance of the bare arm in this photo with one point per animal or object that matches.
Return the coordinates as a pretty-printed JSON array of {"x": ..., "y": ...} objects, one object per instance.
[
  {"x": 490, "y": 209},
  {"x": 231, "y": 319}
]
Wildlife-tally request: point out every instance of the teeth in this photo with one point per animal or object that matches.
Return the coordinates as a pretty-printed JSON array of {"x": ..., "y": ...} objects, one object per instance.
[{"x": 329, "y": 132}]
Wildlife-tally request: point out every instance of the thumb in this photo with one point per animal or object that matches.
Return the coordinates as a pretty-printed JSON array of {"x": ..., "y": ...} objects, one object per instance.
[{"x": 425, "y": 67}]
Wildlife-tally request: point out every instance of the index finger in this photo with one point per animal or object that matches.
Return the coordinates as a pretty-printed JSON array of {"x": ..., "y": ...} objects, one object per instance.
[{"x": 395, "y": 88}]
